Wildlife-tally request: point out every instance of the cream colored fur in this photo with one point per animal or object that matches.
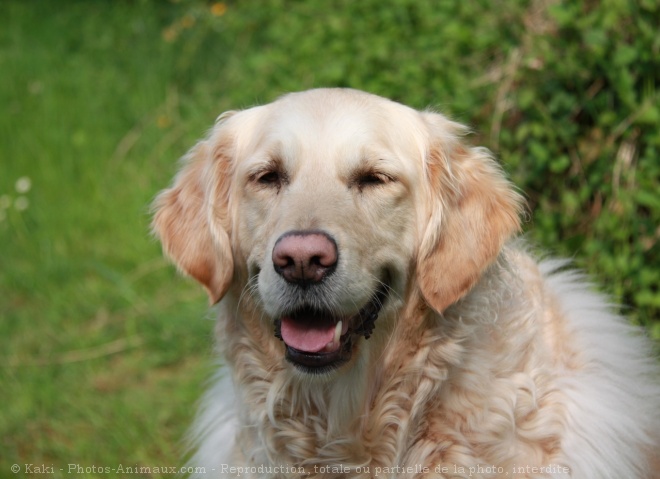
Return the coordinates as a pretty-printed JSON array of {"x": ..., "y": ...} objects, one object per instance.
[{"x": 484, "y": 362}]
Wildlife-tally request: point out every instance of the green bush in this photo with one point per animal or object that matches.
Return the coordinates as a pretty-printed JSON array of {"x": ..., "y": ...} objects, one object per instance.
[{"x": 581, "y": 136}]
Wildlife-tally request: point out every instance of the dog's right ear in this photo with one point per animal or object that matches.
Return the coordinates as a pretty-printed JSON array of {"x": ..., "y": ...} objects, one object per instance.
[{"x": 191, "y": 217}]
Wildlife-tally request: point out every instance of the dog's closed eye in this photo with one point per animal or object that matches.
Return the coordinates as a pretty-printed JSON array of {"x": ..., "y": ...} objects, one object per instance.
[
  {"x": 272, "y": 178},
  {"x": 271, "y": 175},
  {"x": 371, "y": 178}
]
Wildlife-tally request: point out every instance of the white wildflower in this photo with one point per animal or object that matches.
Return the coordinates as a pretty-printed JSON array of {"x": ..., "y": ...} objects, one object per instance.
[{"x": 23, "y": 185}]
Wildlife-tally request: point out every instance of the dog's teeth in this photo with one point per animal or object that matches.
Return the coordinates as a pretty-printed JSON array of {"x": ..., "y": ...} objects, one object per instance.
[{"x": 337, "y": 332}]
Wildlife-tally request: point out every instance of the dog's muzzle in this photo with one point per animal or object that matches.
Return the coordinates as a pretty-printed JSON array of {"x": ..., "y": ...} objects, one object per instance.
[{"x": 317, "y": 342}]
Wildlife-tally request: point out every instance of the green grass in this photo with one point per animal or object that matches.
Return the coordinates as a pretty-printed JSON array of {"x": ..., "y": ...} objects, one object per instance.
[{"x": 104, "y": 350}]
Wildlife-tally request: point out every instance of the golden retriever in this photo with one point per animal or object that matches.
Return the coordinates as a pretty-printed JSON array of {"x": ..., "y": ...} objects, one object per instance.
[{"x": 377, "y": 319}]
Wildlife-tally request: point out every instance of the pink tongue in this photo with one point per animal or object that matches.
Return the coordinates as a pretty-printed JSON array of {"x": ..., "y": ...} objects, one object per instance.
[{"x": 303, "y": 336}]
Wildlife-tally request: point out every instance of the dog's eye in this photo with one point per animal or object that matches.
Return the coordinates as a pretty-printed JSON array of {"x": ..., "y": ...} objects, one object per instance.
[
  {"x": 269, "y": 178},
  {"x": 372, "y": 178}
]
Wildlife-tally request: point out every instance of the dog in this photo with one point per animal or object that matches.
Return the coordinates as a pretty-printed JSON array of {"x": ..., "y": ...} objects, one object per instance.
[{"x": 379, "y": 316}]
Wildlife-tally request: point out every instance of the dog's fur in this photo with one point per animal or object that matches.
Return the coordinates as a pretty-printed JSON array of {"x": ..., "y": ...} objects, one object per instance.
[{"x": 483, "y": 361}]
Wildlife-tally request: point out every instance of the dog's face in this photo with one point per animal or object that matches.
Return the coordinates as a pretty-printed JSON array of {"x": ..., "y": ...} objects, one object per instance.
[
  {"x": 326, "y": 209},
  {"x": 326, "y": 222}
]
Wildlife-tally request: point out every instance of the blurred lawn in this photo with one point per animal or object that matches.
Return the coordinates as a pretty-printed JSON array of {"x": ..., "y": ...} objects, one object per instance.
[{"x": 104, "y": 350}]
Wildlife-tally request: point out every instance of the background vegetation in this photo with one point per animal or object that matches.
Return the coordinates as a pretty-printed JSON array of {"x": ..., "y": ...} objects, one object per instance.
[{"x": 103, "y": 349}]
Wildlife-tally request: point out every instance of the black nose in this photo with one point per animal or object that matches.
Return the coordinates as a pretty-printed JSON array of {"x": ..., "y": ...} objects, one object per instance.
[{"x": 305, "y": 257}]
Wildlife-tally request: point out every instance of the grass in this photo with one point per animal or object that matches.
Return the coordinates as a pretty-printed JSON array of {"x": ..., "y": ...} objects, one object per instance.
[{"x": 104, "y": 350}]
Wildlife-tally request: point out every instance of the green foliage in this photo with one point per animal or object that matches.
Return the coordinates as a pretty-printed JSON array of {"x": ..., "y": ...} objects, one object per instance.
[
  {"x": 583, "y": 140},
  {"x": 99, "y": 343}
]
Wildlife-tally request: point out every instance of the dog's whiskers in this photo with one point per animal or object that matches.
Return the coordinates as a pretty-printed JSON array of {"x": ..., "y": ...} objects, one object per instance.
[{"x": 248, "y": 291}]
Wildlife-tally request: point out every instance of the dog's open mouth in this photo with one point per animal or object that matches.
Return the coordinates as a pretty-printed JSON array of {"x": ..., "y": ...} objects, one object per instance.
[{"x": 316, "y": 341}]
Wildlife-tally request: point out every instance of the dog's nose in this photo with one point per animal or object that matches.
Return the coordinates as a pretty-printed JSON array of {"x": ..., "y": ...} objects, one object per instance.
[{"x": 305, "y": 257}]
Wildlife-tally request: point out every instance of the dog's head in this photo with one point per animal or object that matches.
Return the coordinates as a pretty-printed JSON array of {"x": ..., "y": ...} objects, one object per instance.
[{"x": 325, "y": 210}]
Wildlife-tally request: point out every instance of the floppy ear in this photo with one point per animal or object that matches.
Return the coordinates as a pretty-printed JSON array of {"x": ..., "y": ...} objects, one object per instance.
[
  {"x": 473, "y": 210},
  {"x": 191, "y": 217}
]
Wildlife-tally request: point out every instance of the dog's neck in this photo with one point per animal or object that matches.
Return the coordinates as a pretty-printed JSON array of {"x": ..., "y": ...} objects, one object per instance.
[{"x": 365, "y": 413}]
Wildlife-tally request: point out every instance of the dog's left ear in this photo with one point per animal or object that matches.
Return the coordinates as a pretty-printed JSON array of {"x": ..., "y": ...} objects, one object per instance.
[{"x": 472, "y": 211}]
